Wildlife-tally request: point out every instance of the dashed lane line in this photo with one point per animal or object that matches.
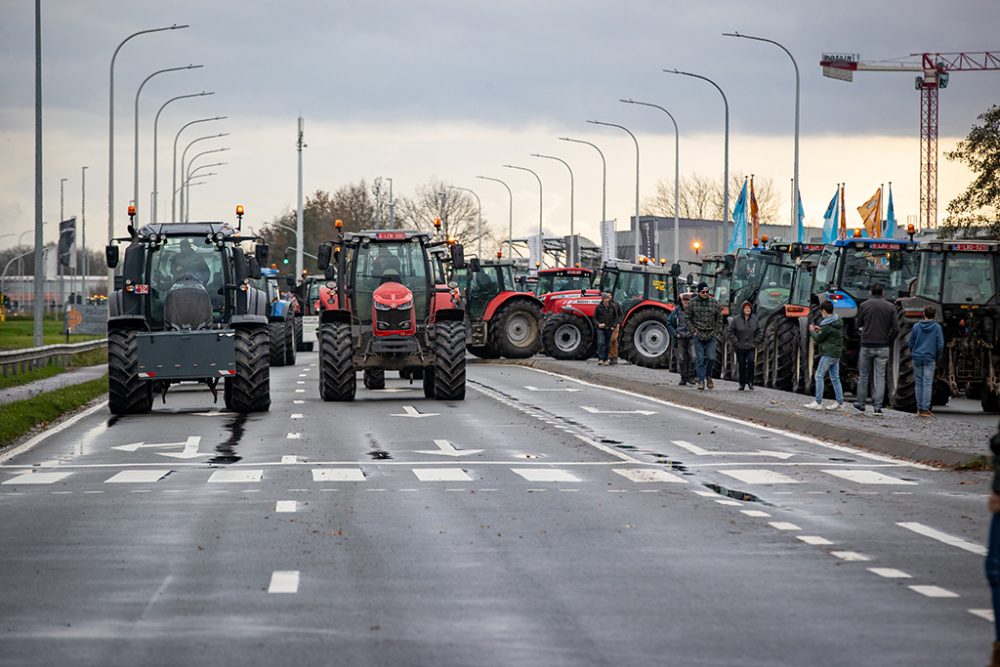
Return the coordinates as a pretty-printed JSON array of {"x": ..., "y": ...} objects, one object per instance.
[
  {"x": 933, "y": 591},
  {"x": 814, "y": 540},
  {"x": 889, "y": 573},
  {"x": 137, "y": 477},
  {"x": 783, "y": 525},
  {"x": 940, "y": 536},
  {"x": 867, "y": 477},
  {"x": 284, "y": 581},
  {"x": 284, "y": 506},
  {"x": 850, "y": 556},
  {"x": 756, "y": 513}
]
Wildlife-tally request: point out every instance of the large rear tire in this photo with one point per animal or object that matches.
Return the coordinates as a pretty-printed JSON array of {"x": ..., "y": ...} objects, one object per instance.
[
  {"x": 568, "y": 337},
  {"x": 785, "y": 360},
  {"x": 250, "y": 389},
  {"x": 290, "y": 340},
  {"x": 645, "y": 340},
  {"x": 127, "y": 393},
  {"x": 449, "y": 362},
  {"x": 903, "y": 396},
  {"x": 374, "y": 378},
  {"x": 276, "y": 337},
  {"x": 483, "y": 351},
  {"x": 299, "y": 345},
  {"x": 336, "y": 363},
  {"x": 515, "y": 330}
]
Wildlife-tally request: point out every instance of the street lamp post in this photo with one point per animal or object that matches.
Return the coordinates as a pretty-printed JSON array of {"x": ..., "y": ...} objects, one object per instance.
[
  {"x": 183, "y": 157},
  {"x": 541, "y": 236},
  {"x": 571, "y": 255},
  {"x": 604, "y": 174},
  {"x": 795, "y": 172},
  {"x": 597, "y": 122},
  {"x": 299, "y": 213},
  {"x": 85, "y": 264},
  {"x": 392, "y": 206},
  {"x": 173, "y": 185},
  {"x": 189, "y": 185},
  {"x": 59, "y": 268},
  {"x": 677, "y": 174},
  {"x": 510, "y": 214},
  {"x": 155, "y": 205},
  {"x": 111, "y": 143},
  {"x": 135, "y": 159},
  {"x": 479, "y": 208}
]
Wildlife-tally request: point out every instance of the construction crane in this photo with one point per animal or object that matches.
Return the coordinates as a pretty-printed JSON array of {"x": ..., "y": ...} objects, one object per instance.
[{"x": 934, "y": 70}]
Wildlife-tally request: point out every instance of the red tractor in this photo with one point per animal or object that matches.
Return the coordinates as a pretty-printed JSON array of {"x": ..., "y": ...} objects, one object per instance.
[
  {"x": 503, "y": 322},
  {"x": 389, "y": 313},
  {"x": 647, "y": 294}
]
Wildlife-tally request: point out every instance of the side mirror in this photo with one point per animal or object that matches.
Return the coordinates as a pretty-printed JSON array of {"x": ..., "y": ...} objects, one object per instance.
[
  {"x": 330, "y": 272},
  {"x": 796, "y": 252},
  {"x": 690, "y": 279},
  {"x": 323, "y": 257},
  {"x": 675, "y": 269},
  {"x": 261, "y": 253},
  {"x": 253, "y": 267},
  {"x": 729, "y": 262},
  {"x": 458, "y": 256},
  {"x": 111, "y": 255},
  {"x": 474, "y": 266}
]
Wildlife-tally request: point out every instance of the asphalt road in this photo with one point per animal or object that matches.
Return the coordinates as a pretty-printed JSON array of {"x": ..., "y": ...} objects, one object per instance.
[{"x": 542, "y": 521}]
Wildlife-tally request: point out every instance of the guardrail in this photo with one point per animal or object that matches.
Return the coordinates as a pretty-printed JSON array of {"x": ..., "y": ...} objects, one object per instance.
[{"x": 18, "y": 361}]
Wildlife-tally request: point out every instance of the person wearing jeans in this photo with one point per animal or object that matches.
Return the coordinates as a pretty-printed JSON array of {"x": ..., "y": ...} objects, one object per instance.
[
  {"x": 926, "y": 345},
  {"x": 680, "y": 333},
  {"x": 877, "y": 322},
  {"x": 745, "y": 335},
  {"x": 828, "y": 336}
]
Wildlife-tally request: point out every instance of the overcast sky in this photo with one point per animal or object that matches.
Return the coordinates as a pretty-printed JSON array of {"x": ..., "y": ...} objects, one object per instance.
[{"x": 452, "y": 89}]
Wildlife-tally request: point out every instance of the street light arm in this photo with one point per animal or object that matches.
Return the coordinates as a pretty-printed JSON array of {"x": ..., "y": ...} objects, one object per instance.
[
  {"x": 173, "y": 203},
  {"x": 636, "y": 141},
  {"x": 510, "y": 212}
]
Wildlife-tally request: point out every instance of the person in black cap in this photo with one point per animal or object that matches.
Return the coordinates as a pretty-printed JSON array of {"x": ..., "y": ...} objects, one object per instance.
[{"x": 704, "y": 319}]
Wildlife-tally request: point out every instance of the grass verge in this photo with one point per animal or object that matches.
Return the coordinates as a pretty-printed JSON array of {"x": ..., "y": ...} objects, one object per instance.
[
  {"x": 20, "y": 417},
  {"x": 18, "y": 333},
  {"x": 91, "y": 358}
]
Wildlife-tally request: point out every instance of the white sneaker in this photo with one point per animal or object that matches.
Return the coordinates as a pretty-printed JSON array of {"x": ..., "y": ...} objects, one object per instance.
[
  {"x": 813, "y": 405},
  {"x": 834, "y": 406}
]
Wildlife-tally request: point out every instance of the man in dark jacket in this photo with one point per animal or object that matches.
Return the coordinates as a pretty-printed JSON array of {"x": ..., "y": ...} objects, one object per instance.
[
  {"x": 926, "y": 345},
  {"x": 744, "y": 335},
  {"x": 704, "y": 319},
  {"x": 605, "y": 320},
  {"x": 877, "y": 322},
  {"x": 680, "y": 332},
  {"x": 829, "y": 338}
]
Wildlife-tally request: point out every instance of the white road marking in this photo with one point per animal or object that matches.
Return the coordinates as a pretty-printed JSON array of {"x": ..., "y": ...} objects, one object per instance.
[
  {"x": 698, "y": 451},
  {"x": 755, "y": 513},
  {"x": 285, "y": 506},
  {"x": 867, "y": 477},
  {"x": 598, "y": 411},
  {"x": 546, "y": 475},
  {"x": 300, "y": 382},
  {"x": 783, "y": 525},
  {"x": 986, "y": 614},
  {"x": 814, "y": 540},
  {"x": 284, "y": 581},
  {"x": 189, "y": 451},
  {"x": 445, "y": 448},
  {"x": 759, "y": 476},
  {"x": 298, "y": 402},
  {"x": 61, "y": 426},
  {"x": 852, "y": 556},
  {"x": 295, "y": 415},
  {"x": 38, "y": 478},
  {"x": 304, "y": 370},
  {"x": 933, "y": 591},
  {"x": 704, "y": 494},
  {"x": 442, "y": 475},
  {"x": 643, "y": 475},
  {"x": 302, "y": 375},
  {"x": 730, "y": 503},
  {"x": 137, "y": 477},
  {"x": 293, "y": 436},
  {"x": 533, "y": 388},
  {"x": 889, "y": 573},
  {"x": 950, "y": 540},
  {"x": 410, "y": 411},
  {"x": 300, "y": 391},
  {"x": 338, "y": 475},
  {"x": 230, "y": 475},
  {"x": 289, "y": 458}
]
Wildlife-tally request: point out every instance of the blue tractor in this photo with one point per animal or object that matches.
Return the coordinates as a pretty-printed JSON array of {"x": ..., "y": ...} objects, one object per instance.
[{"x": 281, "y": 318}]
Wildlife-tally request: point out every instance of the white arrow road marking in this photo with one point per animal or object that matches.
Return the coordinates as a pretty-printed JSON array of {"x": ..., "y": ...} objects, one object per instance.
[
  {"x": 190, "y": 450},
  {"x": 951, "y": 540},
  {"x": 445, "y": 448},
  {"x": 410, "y": 411},
  {"x": 597, "y": 411},
  {"x": 698, "y": 451},
  {"x": 533, "y": 388}
]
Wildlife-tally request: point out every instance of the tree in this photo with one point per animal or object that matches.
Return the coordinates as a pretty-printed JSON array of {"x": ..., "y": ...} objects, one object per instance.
[
  {"x": 976, "y": 211},
  {"x": 457, "y": 210},
  {"x": 701, "y": 198}
]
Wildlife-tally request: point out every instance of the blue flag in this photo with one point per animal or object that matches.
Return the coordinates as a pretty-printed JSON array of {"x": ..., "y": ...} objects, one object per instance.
[
  {"x": 890, "y": 222},
  {"x": 739, "y": 238},
  {"x": 800, "y": 230},
  {"x": 830, "y": 219}
]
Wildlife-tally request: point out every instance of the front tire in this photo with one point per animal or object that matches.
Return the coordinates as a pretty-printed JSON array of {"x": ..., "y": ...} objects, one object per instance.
[
  {"x": 568, "y": 337},
  {"x": 515, "y": 330},
  {"x": 250, "y": 389},
  {"x": 128, "y": 394},
  {"x": 299, "y": 345},
  {"x": 904, "y": 396},
  {"x": 336, "y": 363},
  {"x": 448, "y": 383},
  {"x": 645, "y": 340},
  {"x": 290, "y": 341},
  {"x": 785, "y": 359},
  {"x": 374, "y": 378},
  {"x": 276, "y": 337}
]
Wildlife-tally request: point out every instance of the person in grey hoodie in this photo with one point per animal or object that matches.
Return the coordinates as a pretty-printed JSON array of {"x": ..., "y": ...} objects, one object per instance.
[
  {"x": 926, "y": 345},
  {"x": 745, "y": 335}
]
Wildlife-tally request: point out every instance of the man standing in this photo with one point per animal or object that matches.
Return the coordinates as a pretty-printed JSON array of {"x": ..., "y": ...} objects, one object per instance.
[
  {"x": 615, "y": 333},
  {"x": 704, "y": 319},
  {"x": 605, "y": 320},
  {"x": 877, "y": 322},
  {"x": 828, "y": 336},
  {"x": 926, "y": 345},
  {"x": 683, "y": 341}
]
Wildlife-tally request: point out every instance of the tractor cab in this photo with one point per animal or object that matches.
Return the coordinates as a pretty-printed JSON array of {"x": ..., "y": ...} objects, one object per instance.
[
  {"x": 504, "y": 320},
  {"x": 848, "y": 268},
  {"x": 565, "y": 279}
]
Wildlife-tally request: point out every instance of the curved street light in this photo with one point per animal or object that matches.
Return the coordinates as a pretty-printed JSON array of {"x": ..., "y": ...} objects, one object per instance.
[
  {"x": 156, "y": 122},
  {"x": 479, "y": 207},
  {"x": 184, "y": 156},
  {"x": 620, "y": 127},
  {"x": 173, "y": 203},
  {"x": 604, "y": 174},
  {"x": 186, "y": 175},
  {"x": 541, "y": 236},
  {"x": 510, "y": 213},
  {"x": 571, "y": 254}
]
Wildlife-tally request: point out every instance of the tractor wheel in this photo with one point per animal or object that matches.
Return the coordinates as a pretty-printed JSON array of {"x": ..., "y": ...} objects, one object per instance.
[
  {"x": 645, "y": 340},
  {"x": 299, "y": 345},
  {"x": 250, "y": 389},
  {"x": 904, "y": 395},
  {"x": 483, "y": 351},
  {"x": 127, "y": 393},
  {"x": 515, "y": 330},
  {"x": 336, "y": 363},
  {"x": 785, "y": 359},
  {"x": 428, "y": 381},
  {"x": 448, "y": 374},
  {"x": 276, "y": 336},
  {"x": 721, "y": 352},
  {"x": 374, "y": 378},
  {"x": 763, "y": 358},
  {"x": 990, "y": 401},
  {"x": 290, "y": 341},
  {"x": 940, "y": 393},
  {"x": 566, "y": 336}
]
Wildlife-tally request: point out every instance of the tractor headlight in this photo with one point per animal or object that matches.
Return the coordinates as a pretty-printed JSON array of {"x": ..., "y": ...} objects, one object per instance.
[
  {"x": 405, "y": 306},
  {"x": 381, "y": 306}
]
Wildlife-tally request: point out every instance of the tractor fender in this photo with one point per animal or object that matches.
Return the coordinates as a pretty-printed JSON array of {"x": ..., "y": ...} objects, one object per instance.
[
  {"x": 445, "y": 298},
  {"x": 335, "y": 315},
  {"x": 843, "y": 303},
  {"x": 279, "y": 310},
  {"x": 448, "y": 314},
  {"x": 247, "y": 320},
  {"x": 505, "y": 297},
  {"x": 126, "y": 322},
  {"x": 582, "y": 306},
  {"x": 649, "y": 303},
  {"x": 911, "y": 309}
]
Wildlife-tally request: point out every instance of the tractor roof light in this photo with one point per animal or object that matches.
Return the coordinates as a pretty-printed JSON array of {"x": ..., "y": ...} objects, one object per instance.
[
  {"x": 857, "y": 233},
  {"x": 437, "y": 223},
  {"x": 663, "y": 261},
  {"x": 338, "y": 223},
  {"x": 131, "y": 210},
  {"x": 239, "y": 210},
  {"x": 499, "y": 254}
]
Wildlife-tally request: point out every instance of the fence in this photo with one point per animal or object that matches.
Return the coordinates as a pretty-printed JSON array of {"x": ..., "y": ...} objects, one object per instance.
[{"x": 19, "y": 361}]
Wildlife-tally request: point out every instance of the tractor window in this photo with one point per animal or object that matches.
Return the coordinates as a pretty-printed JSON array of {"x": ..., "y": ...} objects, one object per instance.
[
  {"x": 774, "y": 289},
  {"x": 863, "y": 267},
  {"x": 402, "y": 262},
  {"x": 630, "y": 287},
  {"x": 659, "y": 288},
  {"x": 802, "y": 286},
  {"x": 483, "y": 286},
  {"x": 180, "y": 258},
  {"x": 507, "y": 273},
  {"x": 929, "y": 276},
  {"x": 826, "y": 271},
  {"x": 968, "y": 278}
]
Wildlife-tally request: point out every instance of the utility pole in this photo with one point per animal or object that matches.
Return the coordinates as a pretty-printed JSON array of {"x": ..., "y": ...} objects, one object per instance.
[
  {"x": 392, "y": 207},
  {"x": 300, "y": 240},
  {"x": 83, "y": 266},
  {"x": 59, "y": 266},
  {"x": 39, "y": 283}
]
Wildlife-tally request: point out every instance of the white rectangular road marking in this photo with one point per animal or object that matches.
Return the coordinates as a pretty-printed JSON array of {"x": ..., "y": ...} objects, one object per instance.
[
  {"x": 867, "y": 477},
  {"x": 983, "y": 613},
  {"x": 649, "y": 475},
  {"x": 289, "y": 458},
  {"x": 137, "y": 477},
  {"x": 284, "y": 581},
  {"x": 704, "y": 494},
  {"x": 300, "y": 382},
  {"x": 441, "y": 475},
  {"x": 889, "y": 573},
  {"x": 759, "y": 476},
  {"x": 730, "y": 503},
  {"x": 293, "y": 436},
  {"x": 546, "y": 475},
  {"x": 298, "y": 402},
  {"x": 755, "y": 513},
  {"x": 295, "y": 415},
  {"x": 236, "y": 476},
  {"x": 950, "y": 540},
  {"x": 852, "y": 556},
  {"x": 302, "y": 375},
  {"x": 300, "y": 391},
  {"x": 338, "y": 475},
  {"x": 38, "y": 478},
  {"x": 285, "y": 506},
  {"x": 933, "y": 591},
  {"x": 814, "y": 540},
  {"x": 783, "y": 525}
]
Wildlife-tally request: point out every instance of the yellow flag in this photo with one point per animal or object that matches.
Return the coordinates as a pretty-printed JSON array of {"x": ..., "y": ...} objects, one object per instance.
[{"x": 870, "y": 212}]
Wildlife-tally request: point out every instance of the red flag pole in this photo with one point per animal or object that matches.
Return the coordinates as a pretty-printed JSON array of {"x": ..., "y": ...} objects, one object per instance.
[{"x": 843, "y": 214}]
